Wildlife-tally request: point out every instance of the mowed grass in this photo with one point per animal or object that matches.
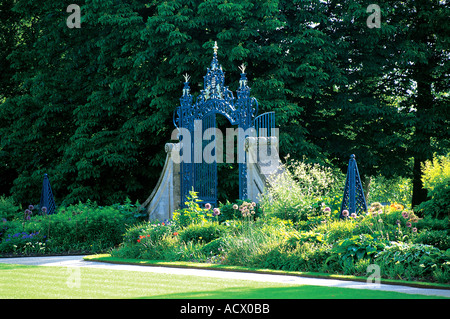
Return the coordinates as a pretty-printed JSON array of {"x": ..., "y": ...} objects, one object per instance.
[{"x": 20, "y": 281}]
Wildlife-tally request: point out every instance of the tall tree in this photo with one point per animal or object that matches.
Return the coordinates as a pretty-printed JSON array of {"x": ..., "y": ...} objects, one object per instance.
[{"x": 93, "y": 106}]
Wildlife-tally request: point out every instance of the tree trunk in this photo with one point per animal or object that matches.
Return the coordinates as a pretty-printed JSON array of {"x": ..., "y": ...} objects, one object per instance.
[
  {"x": 366, "y": 187},
  {"x": 419, "y": 193}
]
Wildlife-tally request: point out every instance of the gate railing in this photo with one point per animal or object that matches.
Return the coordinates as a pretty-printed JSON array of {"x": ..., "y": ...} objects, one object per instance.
[{"x": 265, "y": 124}]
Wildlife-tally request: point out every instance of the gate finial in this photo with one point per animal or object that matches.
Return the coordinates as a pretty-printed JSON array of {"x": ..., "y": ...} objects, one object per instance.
[
  {"x": 215, "y": 47},
  {"x": 242, "y": 68}
]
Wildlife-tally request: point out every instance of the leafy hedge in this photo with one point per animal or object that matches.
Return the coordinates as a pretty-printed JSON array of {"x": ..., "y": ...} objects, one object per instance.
[{"x": 84, "y": 227}]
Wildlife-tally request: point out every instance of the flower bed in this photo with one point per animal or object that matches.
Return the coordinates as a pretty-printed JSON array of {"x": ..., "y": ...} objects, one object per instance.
[{"x": 322, "y": 243}]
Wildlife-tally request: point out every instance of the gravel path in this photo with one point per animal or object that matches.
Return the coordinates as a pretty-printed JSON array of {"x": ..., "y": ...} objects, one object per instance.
[{"x": 77, "y": 261}]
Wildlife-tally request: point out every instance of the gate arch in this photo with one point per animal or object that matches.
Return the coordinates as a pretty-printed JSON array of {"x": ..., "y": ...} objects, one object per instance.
[
  {"x": 215, "y": 98},
  {"x": 192, "y": 118}
]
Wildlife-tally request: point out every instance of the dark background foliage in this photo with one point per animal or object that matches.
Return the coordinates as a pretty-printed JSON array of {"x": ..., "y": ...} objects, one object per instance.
[{"x": 93, "y": 106}]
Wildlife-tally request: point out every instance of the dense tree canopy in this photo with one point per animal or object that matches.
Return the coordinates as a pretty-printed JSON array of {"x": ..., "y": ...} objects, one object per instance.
[{"x": 92, "y": 106}]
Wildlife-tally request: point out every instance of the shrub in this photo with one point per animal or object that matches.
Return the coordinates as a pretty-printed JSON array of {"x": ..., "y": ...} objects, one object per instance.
[
  {"x": 397, "y": 189},
  {"x": 8, "y": 209},
  {"x": 162, "y": 248},
  {"x": 436, "y": 179},
  {"x": 248, "y": 243},
  {"x": 132, "y": 213},
  {"x": 437, "y": 238},
  {"x": 400, "y": 260},
  {"x": 431, "y": 223},
  {"x": 299, "y": 191},
  {"x": 350, "y": 250},
  {"x": 215, "y": 247},
  {"x": 202, "y": 232},
  {"x": 84, "y": 227},
  {"x": 336, "y": 230}
]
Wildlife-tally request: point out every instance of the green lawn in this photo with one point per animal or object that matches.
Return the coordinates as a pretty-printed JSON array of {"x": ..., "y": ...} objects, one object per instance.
[{"x": 19, "y": 281}]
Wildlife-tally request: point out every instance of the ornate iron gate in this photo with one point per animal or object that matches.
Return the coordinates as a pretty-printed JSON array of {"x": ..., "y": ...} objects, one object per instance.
[{"x": 194, "y": 119}]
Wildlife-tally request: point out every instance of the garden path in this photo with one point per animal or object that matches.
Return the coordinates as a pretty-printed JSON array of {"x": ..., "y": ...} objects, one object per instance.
[{"x": 77, "y": 261}]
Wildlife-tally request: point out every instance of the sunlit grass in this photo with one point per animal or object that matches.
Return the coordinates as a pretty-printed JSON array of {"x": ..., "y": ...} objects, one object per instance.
[{"x": 18, "y": 281}]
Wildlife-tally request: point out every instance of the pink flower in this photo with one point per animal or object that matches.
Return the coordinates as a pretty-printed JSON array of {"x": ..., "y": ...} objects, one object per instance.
[
  {"x": 345, "y": 213},
  {"x": 408, "y": 224},
  {"x": 207, "y": 206},
  {"x": 327, "y": 209},
  {"x": 405, "y": 214},
  {"x": 414, "y": 230},
  {"x": 353, "y": 215},
  {"x": 216, "y": 211},
  {"x": 235, "y": 206}
]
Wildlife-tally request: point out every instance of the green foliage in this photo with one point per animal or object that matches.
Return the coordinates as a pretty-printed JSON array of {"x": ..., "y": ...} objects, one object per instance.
[
  {"x": 239, "y": 210},
  {"x": 392, "y": 190},
  {"x": 299, "y": 191},
  {"x": 436, "y": 179},
  {"x": 84, "y": 227},
  {"x": 23, "y": 243},
  {"x": 205, "y": 232},
  {"x": 413, "y": 260},
  {"x": 249, "y": 243},
  {"x": 193, "y": 213},
  {"x": 215, "y": 247},
  {"x": 8, "y": 209},
  {"x": 356, "y": 248},
  {"x": 436, "y": 238}
]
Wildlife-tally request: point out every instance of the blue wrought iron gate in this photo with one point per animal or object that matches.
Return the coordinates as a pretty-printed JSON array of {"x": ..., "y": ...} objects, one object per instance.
[
  {"x": 193, "y": 118},
  {"x": 205, "y": 164}
]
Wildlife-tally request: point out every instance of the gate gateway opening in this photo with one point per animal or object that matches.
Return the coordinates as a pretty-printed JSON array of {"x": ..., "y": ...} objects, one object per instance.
[{"x": 192, "y": 163}]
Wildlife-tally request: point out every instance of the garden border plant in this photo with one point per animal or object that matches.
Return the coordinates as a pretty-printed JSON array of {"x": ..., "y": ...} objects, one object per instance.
[
  {"x": 289, "y": 233},
  {"x": 75, "y": 229}
]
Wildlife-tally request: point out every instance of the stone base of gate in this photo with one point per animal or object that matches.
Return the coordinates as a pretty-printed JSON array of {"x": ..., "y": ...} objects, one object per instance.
[{"x": 166, "y": 195}]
